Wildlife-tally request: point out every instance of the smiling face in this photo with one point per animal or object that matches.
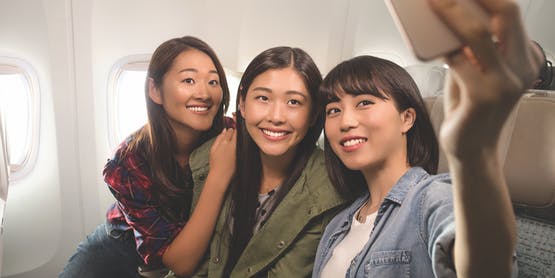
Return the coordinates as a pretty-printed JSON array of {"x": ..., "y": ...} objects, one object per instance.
[
  {"x": 367, "y": 132},
  {"x": 190, "y": 92},
  {"x": 276, "y": 111}
]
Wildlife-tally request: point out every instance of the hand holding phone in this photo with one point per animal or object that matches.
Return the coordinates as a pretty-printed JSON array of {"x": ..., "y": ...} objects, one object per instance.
[{"x": 423, "y": 30}]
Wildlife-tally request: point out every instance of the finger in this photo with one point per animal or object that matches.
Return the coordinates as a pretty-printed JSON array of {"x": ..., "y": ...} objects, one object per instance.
[
  {"x": 228, "y": 134},
  {"x": 234, "y": 137},
  {"x": 506, "y": 17},
  {"x": 473, "y": 33},
  {"x": 219, "y": 139}
]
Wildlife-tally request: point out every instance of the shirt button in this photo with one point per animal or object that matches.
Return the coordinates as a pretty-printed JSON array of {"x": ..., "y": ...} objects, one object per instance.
[
  {"x": 280, "y": 244},
  {"x": 249, "y": 270},
  {"x": 216, "y": 260}
]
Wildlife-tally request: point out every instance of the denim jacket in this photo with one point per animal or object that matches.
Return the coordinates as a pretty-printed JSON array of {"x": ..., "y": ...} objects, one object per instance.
[{"x": 413, "y": 233}]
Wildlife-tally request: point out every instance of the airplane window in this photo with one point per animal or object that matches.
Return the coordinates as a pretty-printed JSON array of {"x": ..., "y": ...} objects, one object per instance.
[
  {"x": 233, "y": 79},
  {"x": 130, "y": 102},
  {"x": 127, "y": 101},
  {"x": 19, "y": 109}
]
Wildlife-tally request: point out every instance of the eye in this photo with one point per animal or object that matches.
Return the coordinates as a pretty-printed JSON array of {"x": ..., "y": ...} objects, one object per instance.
[
  {"x": 294, "y": 102},
  {"x": 261, "y": 98},
  {"x": 331, "y": 111},
  {"x": 188, "y": 81},
  {"x": 213, "y": 82},
  {"x": 364, "y": 103}
]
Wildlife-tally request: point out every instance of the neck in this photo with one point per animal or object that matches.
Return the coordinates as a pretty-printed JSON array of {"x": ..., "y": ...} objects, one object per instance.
[
  {"x": 380, "y": 179},
  {"x": 274, "y": 170},
  {"x": 186, "y": 141}
]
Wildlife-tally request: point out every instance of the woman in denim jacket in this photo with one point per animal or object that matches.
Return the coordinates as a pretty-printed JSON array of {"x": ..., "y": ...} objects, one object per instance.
[{"x": 383, "y": 148}]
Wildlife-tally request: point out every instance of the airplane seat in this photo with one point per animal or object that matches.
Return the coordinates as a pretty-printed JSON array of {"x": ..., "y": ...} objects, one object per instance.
[
  {"x": 429, "y": 78},
  {"x": 530, "y": 172},
  {"x": 528, "y": 157}
]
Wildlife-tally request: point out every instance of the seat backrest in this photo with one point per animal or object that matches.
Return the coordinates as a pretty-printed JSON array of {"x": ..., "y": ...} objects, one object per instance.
[
  {"x": 527, "y": 153},
  {"x": 428, "y": 77}
]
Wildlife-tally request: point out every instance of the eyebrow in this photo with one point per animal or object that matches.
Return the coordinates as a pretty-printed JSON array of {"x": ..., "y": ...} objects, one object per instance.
[
  {"x": 289, "y": 92},
  {"x": 196, "y": 71}
]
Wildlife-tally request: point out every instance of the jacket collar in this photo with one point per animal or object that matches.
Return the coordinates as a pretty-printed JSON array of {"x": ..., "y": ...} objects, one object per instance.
[
  {"x": 396, "y": 195},
  {"x": 407, "y": 181}
]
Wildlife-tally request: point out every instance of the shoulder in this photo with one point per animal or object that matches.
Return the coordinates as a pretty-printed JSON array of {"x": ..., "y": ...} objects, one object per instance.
[
  {"x": 317, "y": 182},
  {"x": 435, "y": 189},
  {"x": 200, "y": 157},
  {"x": 315, "y": 169},
  {"x": 127, "y": 168},
  {"x": 435, "y": 206}
]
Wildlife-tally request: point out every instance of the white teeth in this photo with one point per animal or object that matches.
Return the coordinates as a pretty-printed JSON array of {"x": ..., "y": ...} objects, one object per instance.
[
  {"x": 198, "y": 108},
  {"x": 274, "y": 133},
  {"x": 353, "y": 142}
]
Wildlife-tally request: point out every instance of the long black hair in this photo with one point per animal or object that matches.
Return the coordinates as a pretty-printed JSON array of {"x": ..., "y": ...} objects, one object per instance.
[
  {"x": 385, "y": 80},
  {"x": 248, "y": 174}
]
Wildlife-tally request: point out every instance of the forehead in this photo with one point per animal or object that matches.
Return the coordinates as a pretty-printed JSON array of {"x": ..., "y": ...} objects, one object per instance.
[
  {"x": 280, "y": 81},
  {"x": 193, "y": 59},
  {"x": 340, "y": 94}
]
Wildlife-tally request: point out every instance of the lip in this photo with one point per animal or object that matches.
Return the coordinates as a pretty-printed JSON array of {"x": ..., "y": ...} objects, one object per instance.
[
  {"x": 353, "y": 143},
  {"x": 274, "y": 134},
  {"x": 200, "y": 109}
]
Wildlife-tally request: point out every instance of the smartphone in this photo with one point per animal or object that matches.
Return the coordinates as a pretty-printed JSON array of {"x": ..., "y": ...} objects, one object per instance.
[{"x": 423, "y": 30}]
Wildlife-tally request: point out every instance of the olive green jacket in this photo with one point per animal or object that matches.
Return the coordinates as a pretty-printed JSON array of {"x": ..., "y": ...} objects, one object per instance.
[{"x": 286, "y": 245}]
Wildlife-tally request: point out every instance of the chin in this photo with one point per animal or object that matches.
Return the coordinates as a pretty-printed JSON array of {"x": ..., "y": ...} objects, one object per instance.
[
  {"x": 274, "y": 151},
  {"x": 353, "y": 164}
]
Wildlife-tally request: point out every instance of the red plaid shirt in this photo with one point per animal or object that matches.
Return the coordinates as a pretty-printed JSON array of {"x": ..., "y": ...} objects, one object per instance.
[{"x": 136, "y": 207}]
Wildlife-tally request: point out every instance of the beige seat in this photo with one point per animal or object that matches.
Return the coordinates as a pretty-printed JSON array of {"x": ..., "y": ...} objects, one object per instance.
[
  {"x": 527, "y": 151},
  {"x": 428, "y": 77}
]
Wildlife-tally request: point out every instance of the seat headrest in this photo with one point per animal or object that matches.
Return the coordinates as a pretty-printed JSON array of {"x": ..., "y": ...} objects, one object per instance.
[
  {"x": 526, "y": 148},
  {"x": 429, "y": 78}
]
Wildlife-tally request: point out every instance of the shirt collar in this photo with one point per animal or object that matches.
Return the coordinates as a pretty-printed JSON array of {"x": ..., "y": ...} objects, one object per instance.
[{"x": 412, "y": 177}]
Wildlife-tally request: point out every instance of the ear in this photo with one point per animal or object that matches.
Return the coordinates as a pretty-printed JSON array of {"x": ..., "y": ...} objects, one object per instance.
[
  {"x": 408, "y": 117},
  {"x": 153, "y": 92}
]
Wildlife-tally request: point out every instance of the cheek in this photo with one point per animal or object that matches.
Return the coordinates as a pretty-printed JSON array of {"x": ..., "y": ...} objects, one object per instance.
[
  {"x": 218, "y": 95},
  {"x": 330, "y": 128},
  {"x": 301, "y": 118},
  {"x": 249, "y": 112}
]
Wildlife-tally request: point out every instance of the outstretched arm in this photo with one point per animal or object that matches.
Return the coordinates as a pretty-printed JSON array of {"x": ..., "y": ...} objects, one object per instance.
[
  {"x": 486, "y": 81},
  {"x": 187, "y": 249}
]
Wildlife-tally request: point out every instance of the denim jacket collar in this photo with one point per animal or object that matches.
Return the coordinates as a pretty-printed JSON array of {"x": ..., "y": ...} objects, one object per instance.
[
  {"x": 408, "y": 180},
  {"x": 396, "y": 195}
]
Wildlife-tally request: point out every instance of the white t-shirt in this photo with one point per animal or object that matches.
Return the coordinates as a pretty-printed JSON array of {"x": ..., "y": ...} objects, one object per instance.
[{"x": 349, "y": 247}]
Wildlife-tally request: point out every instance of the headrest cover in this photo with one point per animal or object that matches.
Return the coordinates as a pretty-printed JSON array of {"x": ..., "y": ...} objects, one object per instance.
[
  {"x": 429, "y": 78},
  {"x": 526, "y": 149}
]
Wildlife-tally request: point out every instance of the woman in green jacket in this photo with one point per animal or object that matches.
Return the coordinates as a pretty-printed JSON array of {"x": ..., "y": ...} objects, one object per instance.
[{"x": 281, "y": 198}]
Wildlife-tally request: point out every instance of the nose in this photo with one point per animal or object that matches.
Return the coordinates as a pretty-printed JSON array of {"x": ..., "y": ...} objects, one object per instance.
[
  {"x": 201, "y": 91},
  {"x": 276, "y": 113},
  {"x": 347, "y": 120}
]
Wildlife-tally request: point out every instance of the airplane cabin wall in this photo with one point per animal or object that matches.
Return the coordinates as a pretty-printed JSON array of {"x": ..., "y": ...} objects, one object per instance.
[{"x": 37, "y": 217}]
